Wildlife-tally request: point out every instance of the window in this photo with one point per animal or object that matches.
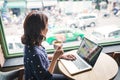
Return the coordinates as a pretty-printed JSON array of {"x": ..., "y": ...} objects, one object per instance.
[{"x": 69, "y": 21}]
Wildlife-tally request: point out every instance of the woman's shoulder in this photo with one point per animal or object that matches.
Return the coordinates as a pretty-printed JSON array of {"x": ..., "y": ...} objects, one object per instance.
[{"x": 34, "y": 50}]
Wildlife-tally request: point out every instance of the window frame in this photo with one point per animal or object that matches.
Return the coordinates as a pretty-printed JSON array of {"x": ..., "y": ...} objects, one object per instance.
[
  {"x": 4, "y": 43},
  {"x": 8, "y": 55}
]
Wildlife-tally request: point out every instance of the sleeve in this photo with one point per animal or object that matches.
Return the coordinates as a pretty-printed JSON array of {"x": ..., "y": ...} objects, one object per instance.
[{"x": 38, "y": 70}]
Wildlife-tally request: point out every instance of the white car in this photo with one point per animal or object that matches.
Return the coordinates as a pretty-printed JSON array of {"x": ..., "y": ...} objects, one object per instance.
[
  {"x": 14, "y": 44},
  {"x": 84, "y": 20},
  {"x": 106, "y": 32},
  {"x": 77, "y": 24},
  {"x": 89, "y": 19}
]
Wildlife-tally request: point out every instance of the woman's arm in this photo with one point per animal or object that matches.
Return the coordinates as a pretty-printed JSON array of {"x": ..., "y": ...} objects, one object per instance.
[
  {"x": 50, "y": 56},
  {"x": 64, "y": 56},
  {"x": 55, "y": 57},
  {"x": 52, "y": 66}
]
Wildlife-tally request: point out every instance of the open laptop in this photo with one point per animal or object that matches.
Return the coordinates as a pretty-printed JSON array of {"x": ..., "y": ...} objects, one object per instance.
[{"x": 86, "y": 57}]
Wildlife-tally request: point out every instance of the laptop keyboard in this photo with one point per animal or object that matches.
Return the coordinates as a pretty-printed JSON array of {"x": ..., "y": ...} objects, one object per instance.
[{"x": 79, "y": 63}]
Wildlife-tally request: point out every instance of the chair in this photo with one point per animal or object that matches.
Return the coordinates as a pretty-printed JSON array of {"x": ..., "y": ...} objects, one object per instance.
[
  {"x": 12, "y": 74},
  {"x": 116, "y": 56}
]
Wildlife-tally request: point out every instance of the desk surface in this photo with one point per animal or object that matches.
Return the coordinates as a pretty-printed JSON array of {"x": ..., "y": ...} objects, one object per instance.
[{"x": 105, "y": 69}]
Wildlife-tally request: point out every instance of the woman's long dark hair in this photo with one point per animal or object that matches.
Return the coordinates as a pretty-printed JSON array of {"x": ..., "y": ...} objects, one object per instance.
[{"x": 34, "y": 23}]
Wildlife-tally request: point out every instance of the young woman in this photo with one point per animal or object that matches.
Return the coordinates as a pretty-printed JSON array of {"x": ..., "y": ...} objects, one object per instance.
[{"x": 36, "y": 60}]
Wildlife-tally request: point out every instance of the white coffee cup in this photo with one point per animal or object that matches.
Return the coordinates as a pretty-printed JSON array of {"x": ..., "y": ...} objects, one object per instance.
[{"x": 57, "y": 44}]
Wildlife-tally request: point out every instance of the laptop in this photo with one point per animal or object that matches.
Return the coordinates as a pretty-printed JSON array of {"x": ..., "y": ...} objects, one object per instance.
[{"x": 86, "y": 57}]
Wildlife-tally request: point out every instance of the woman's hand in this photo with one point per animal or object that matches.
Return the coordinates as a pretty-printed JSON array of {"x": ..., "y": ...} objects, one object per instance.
[
  {"x": 68, "y": 56},
  {"x": 58, "y": 53}
]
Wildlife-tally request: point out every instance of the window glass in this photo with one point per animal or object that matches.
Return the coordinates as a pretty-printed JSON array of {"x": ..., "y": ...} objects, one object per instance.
[{"x": 69, "y": 21}]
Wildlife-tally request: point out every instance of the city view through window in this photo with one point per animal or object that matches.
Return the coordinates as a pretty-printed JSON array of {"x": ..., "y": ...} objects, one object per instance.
[{"x": 69, "y": 21}]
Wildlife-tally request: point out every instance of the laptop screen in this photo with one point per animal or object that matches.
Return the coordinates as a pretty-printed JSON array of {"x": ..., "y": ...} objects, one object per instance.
[{"x": 89, "y": 51}]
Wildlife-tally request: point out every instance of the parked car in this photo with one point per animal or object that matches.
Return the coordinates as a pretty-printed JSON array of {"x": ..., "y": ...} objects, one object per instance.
[
  {"x": 78, "y": 24},
  {"x": 84, "y": 20},
  {"x": 105, "y": 32},
  {"x": 89, "y": 19},
  {"x": 64, "y": 35},
  {"x": 14, "y": 44}
]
